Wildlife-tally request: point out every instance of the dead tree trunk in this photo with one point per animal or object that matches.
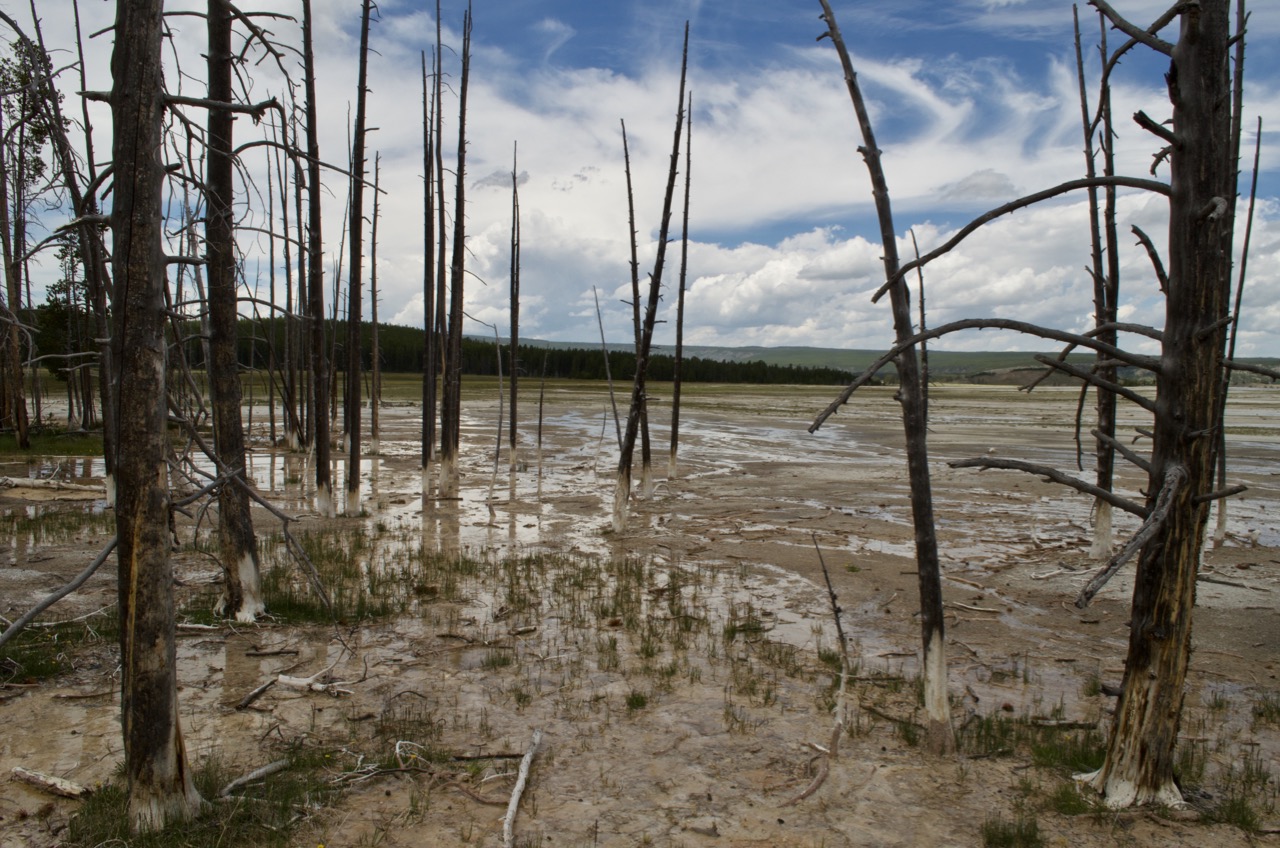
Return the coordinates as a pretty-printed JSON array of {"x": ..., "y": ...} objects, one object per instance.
[
  {"x": 451, "y": 414},
  {"x": 684, "y": 271},
  {"x": 375, "y": 386},
  {"x": 514, "y": 365},
  {"x": 430, "y": 348},
  {"x": 354, "y": 283},
  {"x": 315, "y": 282},
  {"x": 160, "y": 787},
  {"x": 622, "y": 491},
  {"x": 242, "y": 588},
  {"x": 1140, "y": 756},
  {"x": 937, "y": 709}
]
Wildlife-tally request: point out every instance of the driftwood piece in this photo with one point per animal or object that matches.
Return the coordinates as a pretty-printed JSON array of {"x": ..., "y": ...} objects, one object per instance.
[
  {"x": 509, "y": 823},
  {"x": 257, "y": 774},
  {"x": 48, "y": 783}
]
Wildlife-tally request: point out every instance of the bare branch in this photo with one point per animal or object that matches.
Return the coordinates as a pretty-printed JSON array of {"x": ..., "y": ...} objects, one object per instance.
[
  {"x": 1147, "y": 362},
  {"x": 1095, "y": 380},
  {"x": 1174, "y": 477},
  {"x": 1154, "y": 255},
  {"x": 1147, "y": 36},
  {"x": 1053, "y": 475},
  {"x": 1119, "y": 447},
  {"x": 1014, "y": 205},
  {"x": 1150, "y": 125}
]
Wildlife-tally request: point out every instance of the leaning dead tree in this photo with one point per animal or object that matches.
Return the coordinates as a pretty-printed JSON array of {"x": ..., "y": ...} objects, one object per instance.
[
  {"x": 160, "y": 786},
  {"x": 622, "y": 491},
  {"x": 1187, "y": 413},
  {"x": 940, "y": 736}
]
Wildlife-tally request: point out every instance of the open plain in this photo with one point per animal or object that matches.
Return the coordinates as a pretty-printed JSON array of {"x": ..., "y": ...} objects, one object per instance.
[{"x": 683, "y": 674}]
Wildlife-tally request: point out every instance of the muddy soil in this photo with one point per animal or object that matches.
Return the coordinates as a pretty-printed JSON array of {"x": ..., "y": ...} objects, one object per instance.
[{"x": 681, "y": 672}]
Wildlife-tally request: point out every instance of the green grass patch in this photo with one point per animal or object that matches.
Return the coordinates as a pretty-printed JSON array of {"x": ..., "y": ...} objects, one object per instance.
[
  {"x": 1023, "y": 831},
  {"x": 263, "y": 814},
  {"x": 43, "y": 652}
]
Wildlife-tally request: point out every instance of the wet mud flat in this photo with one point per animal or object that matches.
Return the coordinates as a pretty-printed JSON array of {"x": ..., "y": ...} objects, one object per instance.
[{"x": 680, "y": 672}]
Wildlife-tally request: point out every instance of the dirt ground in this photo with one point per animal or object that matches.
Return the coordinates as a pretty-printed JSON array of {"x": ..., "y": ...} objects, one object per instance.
[{"x": 685, "y": 713}]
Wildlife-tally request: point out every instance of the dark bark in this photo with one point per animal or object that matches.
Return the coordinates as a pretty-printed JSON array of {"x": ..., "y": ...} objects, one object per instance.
[
  {"x": 355, "y": 283},
  {"x": 242, "y": 590},
  {"x": 1140, "y": 756},
  {"x": 941, "y": 737},
  {"x": 451, "y": 415},
  {"x": 684, "y": 275},
  {"x": 375, "y": 384},
  {"x": 622, "y": 492},
  {"x": 315, "y": 281},
  {"x": 430, "y": 344},
  {"x": 160, "y": 787},
  {"x": 514, "y": 365}
]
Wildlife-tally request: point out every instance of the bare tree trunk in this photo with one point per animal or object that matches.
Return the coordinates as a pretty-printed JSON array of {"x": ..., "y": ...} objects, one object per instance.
[
  {"x": 13, "y": 404},
  {"x": 315, "y": 283},
  {"x": 430, "y": 343},
  {"x": 608, "y": 373},
  {"x": 375, "y": 390},
  {"x": 622, "y": 491},
  {"x": 242, "y": 589},
  {"x": 354, "y": 282},
  {"x": 160, "y": 787},
  {"x": 1140, "y": 756},
  {"x": 684, "y": 270},
  {"x": 940, "y": 736},
  {"x": 451, "y": 415},
  {"x": 514, "y": 368}
]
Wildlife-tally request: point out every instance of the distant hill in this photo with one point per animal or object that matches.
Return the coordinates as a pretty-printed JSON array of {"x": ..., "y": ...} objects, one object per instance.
[{"x": 944, "y": 365}]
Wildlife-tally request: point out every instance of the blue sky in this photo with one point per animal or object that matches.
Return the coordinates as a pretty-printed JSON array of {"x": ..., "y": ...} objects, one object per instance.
[{"x": 974, "y": 103}]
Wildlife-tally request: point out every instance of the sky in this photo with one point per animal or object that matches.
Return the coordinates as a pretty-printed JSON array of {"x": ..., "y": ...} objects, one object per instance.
[{"x": 974, "y": 103}]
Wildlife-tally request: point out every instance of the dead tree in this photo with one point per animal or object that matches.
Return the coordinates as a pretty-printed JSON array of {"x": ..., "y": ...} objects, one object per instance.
[
  {"x": 238, "y": 548},
  {"x": 430, "y": 343},
  {"x": 1202, "y": 177},
  {"x": 514, "y": 365},
  {"x": 354, "y": 282},
  {"x": 315, "y": 281},
  {"x": 375, "y": 384},
  {"x": 1187, "y": 411},
  {"x": 622, "y": 491},
  {"x": 160, "y": 787},
  {"x": 451, "y": 414},
  {"x": 910, "y": 394},
  {"x": 684, "y": 271}
]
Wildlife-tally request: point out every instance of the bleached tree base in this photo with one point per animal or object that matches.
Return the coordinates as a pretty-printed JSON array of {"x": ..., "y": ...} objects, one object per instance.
[
  {"x": 940, "y": 736},
  {"x": 621, "y": 503},
  {"x": 1102, "y": 534},
  {"x": 251, "y": 604},
  {"x": 109, "y": 484},
  {"x": 151, "y": 809},
  {"x": 1220, "y": 522},
  {"x": 375, "y": 446},
  {"x": 1119, "y": 793},
  {"x": 324, "y": 501},
  {"x": 449, "y": 476},
  {"x": 646, "y": 481},
  {"x": 353, "y": 502},
  {"x": 672, "y": 466}
]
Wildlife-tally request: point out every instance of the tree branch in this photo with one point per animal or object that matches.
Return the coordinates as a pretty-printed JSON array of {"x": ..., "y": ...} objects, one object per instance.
[
  {"x": 1174, "y": 477},
  {"x": 1095, "y": 380},
  {"x": 1014, "y": 205},
  {"x": 1141, "y": 36},
  {"x": 1053, "y": 475}
]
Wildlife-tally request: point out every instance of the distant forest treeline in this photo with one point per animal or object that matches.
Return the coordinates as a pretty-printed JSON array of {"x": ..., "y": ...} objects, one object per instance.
[{"x": 400, "y": 349}]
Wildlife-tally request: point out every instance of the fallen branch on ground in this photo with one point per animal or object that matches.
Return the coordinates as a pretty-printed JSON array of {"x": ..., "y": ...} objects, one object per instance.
[{"x": 509, "y": 823}]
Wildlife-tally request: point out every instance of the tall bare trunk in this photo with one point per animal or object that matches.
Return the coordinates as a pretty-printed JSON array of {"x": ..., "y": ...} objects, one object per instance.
[
  {"x": 430, "y": 344},
  {"x": 940, "y": 735},
  {"x": 684, "y": 271},
  {"x": 315, "y": 282},
  {"x": 514, "y": 368},
  {"x": 1140, "y": 755},
  {"x": 160, "y": 787},
  {"x": 375, "y": 386},
  {"x": 355, "y": 284},
  {"x": 242, "y": 588},
  {"x": 622, "y": 490},
  {"x": 451, "y": 415}
]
